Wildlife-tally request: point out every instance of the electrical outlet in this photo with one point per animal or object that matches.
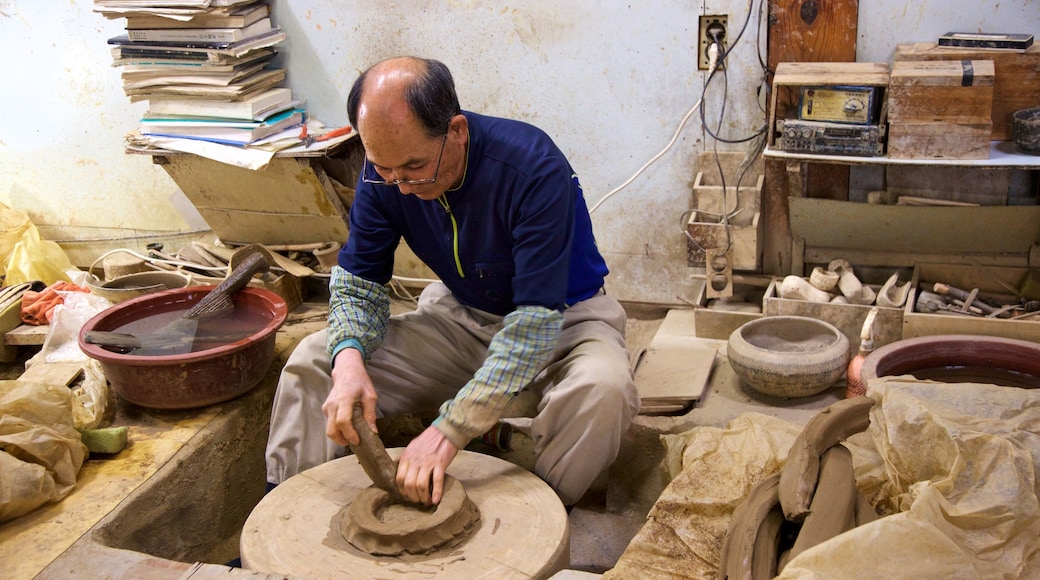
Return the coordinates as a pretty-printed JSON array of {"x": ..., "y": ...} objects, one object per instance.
[{"x": 709, "y": 24}]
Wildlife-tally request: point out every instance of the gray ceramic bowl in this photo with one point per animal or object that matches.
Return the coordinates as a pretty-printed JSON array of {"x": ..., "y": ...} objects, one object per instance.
[{"x": 788, "y": 356}]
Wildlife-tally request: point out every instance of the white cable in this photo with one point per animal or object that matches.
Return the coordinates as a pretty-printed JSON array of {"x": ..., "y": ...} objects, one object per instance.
[
  {"x": 713, "y": 60},
  {"x": 653, "y": 159},
  {"x": 713, "y": 56},
  {"x": 156, "y": 260}
]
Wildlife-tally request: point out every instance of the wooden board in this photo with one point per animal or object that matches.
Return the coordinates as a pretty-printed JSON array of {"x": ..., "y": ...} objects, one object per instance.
[
  {"x": 523, "y": 532},
  {"x": 10, "y": 319},
  {"x": 952, "y": 230},
  {"x": 676, "y": 367},
  {"x": 292, "y": 201},
  {"x": 27, "y": 335},
  {"x": 803, "y": 31},
  {"x": 61, "y": 373},
  {"x": 960, "y": 184},
  {"x": 938, "y": 140}
]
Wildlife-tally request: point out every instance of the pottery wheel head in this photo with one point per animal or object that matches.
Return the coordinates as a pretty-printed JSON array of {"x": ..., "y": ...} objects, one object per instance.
[{"x": 375, "y": 524}]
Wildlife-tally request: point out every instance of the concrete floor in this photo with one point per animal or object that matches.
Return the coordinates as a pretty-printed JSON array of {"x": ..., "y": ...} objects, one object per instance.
[{"x": 158, "y": 527}]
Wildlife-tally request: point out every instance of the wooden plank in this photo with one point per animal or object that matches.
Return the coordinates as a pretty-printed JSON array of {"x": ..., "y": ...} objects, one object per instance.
[
  {"x": 804, "y": 31},
  {"x": 909, "y": 258},
  {"x": 832, "y": 73},
  {"x": 60, "y": 373},
  {"x": 937, "y": 230},
  {"x": 26, "y": 335},
  {"x": 247, "y": 227},
  {"x": 948, "y": 183},
  {"x": 938, "y": 140},
  {"x": 963, "y": 73},
  {"x": 292, "y": 201},
  {"x": 677, "y": 365}
]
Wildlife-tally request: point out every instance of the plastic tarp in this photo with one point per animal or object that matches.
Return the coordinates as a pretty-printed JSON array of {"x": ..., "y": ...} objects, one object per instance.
[
  {"x": 40, "y": 450},
  {"x": 954, "y": 469}
]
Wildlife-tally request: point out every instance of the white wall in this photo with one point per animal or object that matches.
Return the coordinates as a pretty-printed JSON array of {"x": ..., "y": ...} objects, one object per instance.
[{"x": 609, "y": 80}]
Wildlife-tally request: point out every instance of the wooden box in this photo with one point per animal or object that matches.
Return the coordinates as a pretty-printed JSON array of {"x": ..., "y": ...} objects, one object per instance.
[
  {"x": 948, "y": 91},
  {"x": 988, "y": 280},
  {"x": 718, "y": 318},
  {"x": 292, "y": 201},
  {"x": 848, "y": 318},
  {"x": 1016, "y": 77},
  {"x": 790, "y": 77},
  {"x": 707, "y": 231},
  {"x": 938, "y": 140}
]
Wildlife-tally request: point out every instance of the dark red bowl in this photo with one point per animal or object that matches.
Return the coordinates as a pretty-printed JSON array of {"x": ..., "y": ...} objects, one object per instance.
[{"x": 194, "y": 379}]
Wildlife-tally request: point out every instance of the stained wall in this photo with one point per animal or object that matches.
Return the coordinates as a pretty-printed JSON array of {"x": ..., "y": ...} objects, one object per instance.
[{"x": 610, "y": 80}]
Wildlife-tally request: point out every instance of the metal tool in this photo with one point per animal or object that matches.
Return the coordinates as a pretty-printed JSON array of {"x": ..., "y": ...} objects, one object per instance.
[{"x": 307, "y": 139}]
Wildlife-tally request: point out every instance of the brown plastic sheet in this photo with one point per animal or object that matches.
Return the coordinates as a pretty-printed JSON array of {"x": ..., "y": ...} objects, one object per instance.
[
  {"x": 956, "y": 467},
  {"x": 40, "y": 451}
]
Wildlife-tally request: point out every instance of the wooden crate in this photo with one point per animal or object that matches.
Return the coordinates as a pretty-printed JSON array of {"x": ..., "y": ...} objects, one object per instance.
[
  {"x": 791, "y": 76},
  {"x": 719, "y": 322},
  {"x": 947, "y": 91},
  {"x": 848, "y": 318},
  {"x": 292, "y": 201},
  {"x": 1016, "y": 80},
  {"x": 988, "y": 281},
  {"x": 708, "y": 232},
  {"x": 938, "y": 140}
]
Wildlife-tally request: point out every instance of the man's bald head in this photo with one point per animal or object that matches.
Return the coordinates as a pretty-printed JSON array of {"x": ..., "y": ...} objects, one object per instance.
[{"x": 404, "y": 89}]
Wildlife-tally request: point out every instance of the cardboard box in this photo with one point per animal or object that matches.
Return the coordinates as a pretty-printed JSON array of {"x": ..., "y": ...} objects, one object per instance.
[
  {"x": 941, "y": 91},
  {"x": 988, "y": 280},
  {"x": 848, "y": 318},
  {"x": 1016, "y": 81}
]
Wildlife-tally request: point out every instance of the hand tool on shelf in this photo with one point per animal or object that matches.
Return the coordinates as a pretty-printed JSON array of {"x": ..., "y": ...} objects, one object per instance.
[{"x": 307, "y": 139}]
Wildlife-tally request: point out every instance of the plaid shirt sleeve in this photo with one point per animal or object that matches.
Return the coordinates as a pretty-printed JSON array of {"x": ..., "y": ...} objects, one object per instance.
[
  {"x": 515, "y": 356},
  {"x": 359, "y": 313}
]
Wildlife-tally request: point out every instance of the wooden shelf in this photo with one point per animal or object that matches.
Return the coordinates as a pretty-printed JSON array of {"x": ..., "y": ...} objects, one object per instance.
[
  {"x": 791, "y": 76},
  {"x": 1002, "y": 155}
]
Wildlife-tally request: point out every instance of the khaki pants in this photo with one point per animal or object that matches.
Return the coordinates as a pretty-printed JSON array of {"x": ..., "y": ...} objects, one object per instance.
[{"x": 586, "y": 395}]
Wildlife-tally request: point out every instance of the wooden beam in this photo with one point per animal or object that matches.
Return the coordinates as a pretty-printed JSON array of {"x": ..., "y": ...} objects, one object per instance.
[{"x": 804, "y": 31}]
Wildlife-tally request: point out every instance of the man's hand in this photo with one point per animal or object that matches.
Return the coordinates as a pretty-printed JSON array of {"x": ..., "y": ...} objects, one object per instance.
[
  {"x": 420, "y": 470},
  {"x": 350, "y": 385}
]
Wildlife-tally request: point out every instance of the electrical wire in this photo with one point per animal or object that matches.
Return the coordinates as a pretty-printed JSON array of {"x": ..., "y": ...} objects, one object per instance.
[
  {"x": 757, "y": 138},
  {"x": 653, "y": 159},
  {"x": 152, "y": 259}
]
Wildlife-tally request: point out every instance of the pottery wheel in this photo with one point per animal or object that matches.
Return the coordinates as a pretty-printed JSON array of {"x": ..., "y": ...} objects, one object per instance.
[{"x": 301, "y": 527}]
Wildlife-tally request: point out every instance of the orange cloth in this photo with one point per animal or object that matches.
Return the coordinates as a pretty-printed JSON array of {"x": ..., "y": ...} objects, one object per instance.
[{"x": 38, "y": 307}]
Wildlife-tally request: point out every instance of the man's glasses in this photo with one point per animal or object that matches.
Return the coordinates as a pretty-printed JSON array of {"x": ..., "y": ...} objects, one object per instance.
[{"x": 436, "y": 171}]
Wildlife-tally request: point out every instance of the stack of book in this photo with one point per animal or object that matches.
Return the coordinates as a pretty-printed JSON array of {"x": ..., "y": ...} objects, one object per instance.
[
  {"x": 204, "y": 67},
  {"x": 230, "y": 122}
]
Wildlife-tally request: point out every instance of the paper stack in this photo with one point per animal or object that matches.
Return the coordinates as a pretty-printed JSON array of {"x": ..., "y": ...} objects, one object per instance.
[{"x": 204, "y": 67}]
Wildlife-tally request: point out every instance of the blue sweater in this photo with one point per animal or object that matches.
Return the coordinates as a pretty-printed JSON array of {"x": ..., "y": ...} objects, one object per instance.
[{"x": 521, "y": 228}]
